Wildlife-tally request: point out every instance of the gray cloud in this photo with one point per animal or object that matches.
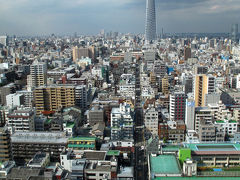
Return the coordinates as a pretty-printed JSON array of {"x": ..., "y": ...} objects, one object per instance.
[{"x": 33, "y": 17}]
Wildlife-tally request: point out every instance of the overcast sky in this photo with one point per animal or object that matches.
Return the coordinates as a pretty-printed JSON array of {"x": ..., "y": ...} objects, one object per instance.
[{"x": 43, "y": 17}]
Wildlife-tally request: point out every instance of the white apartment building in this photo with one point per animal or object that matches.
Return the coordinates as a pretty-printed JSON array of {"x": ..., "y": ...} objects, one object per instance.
[
  {"x": 228, "y": 126},
  {"x": 81, "y": 96},
  {"x": 21, "y": 119},
  {"x": 151, "y": 120},
  {"x": 127, "y": 85},
  {"x": 97, "y": 71},
  {"x": 15, "y": 100},
  {"x": 204, "y": 114},
  {"x": 38, "y": 75},
  {"x": 122, "y": 123},
  {"x": 238, "y": 81}
]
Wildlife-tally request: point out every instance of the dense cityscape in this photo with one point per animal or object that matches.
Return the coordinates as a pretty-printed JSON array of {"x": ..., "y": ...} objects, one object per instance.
[{"x": 121, "y": 106}]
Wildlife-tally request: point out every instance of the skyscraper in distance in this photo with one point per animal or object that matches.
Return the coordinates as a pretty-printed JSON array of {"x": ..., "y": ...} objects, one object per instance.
[
  {"x": 234, "y": 33},
  {"x": 150, "y": 27}
]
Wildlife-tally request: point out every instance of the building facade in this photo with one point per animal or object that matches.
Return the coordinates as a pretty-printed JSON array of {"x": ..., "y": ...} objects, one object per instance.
[{"x": 150, "y": 27}]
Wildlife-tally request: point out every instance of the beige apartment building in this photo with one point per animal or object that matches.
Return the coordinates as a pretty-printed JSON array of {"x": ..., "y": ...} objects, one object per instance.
[
  {"x": 54, "y": 98},
  {"x": 203, "y": 84}
]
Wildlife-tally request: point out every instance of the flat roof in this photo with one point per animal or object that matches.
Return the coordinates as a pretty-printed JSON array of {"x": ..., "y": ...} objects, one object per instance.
[
  {"x": 171, "y": 147},
  {"x": 82, "y": 139},
  {"x": 164, "y": 164},
  {"x": 70, "y": 124},
  {"x": 126, "y": 172},
  {"x": 39, "y": 137},
  {"x": 113, "y": 153},
  {"x": 196, "y": 178},
  {"x": 95, "y": 155},
  {"x": 81, "y": 145},
  {"x": 214, "y": 147}
]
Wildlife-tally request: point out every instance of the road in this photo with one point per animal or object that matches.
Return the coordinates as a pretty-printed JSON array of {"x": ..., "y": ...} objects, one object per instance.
[{"x": 140, "y": 160}]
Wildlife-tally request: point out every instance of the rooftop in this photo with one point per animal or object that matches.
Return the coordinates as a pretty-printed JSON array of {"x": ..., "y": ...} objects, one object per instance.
[
  {"x": 171, "y": 147},
  {"x": 113, "y": 153},
  {"x": 230, "y": 121},
  {"x": 38, "y": 159},
  {"x": 39, "y": 137},
  {"x": 81, "y": 145},
  {"x": 82, "y": 139},
  {"x": 48, "y": 121},
  {"x": 126, "y": 172},
  {"x": 214, "y": 147},
  {"x": 23, "y": 173},
  {"x": 196, "y": 178},
  {"x": 95, "y": 155},
  {"x": 164, "y": 164},
  {"x": 70, "y": 124}
]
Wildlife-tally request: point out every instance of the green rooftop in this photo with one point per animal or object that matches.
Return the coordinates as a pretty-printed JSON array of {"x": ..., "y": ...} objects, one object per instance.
[
  {"x": 230, "y": 121},
  {"x": 90, "y": 146},
  {"x": 164, "y": 164},
  {"x": 70, "y": 124},
  {"x": 48, "y": 121},
  {"x": 213, "y": 147},
  {"x": 82, "y": 139},
  {"x": 219, "y": 121},
  {"x": 113, "y": 153},
  {"x": 196, "y": 178},
  {"x": 170, "y": 148}
]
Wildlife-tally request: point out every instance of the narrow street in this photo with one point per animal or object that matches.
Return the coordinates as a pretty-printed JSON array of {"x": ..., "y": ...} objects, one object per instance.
[{"x": 139, "y": 133}]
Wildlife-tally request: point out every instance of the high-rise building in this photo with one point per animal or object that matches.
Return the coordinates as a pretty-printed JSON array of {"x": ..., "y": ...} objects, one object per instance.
[
  {"x": 187, "y": 53},
  {"x": 150, "y": 27},
  {"x": 188, "y": 84},
  {"x": 190, "y": 114},
  {"x": 38, "y": 74},
  {"x": 6, "y": 90},
  {"x": 212, "y": 43},
  {"x": 54, "y": 98},
  {"x": 203, "y": 84},
  {"x": 151, "y": 120},
  {"x": 5, "y": 147},
  {"x": 122, "y": 123},
  {"x": 234, "y": 33},
  {"x": 81, "y": 96},
  {"x": 200, "y": 69},
  {"x": 15, "y": 100},
  {"x": 83, "y": 52},
  {"x": 4, "y": 40},
  {"x": 165, "y": 85},
  {"x": 177, "y": 106},
  {"x": 28, "y": 97}
]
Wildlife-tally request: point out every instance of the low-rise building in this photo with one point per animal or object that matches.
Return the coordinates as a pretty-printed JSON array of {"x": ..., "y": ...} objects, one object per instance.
[
  {"x": 82, "y": 143},
  {"x": 96, "y": 115},
  {"x": 26, "y": 144},
  {"x": 163, "y": 165},
  {"x": 229, "y": 127},
  {"x": 22, "y": 119},
  {"x": 40, "y": 160}
]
